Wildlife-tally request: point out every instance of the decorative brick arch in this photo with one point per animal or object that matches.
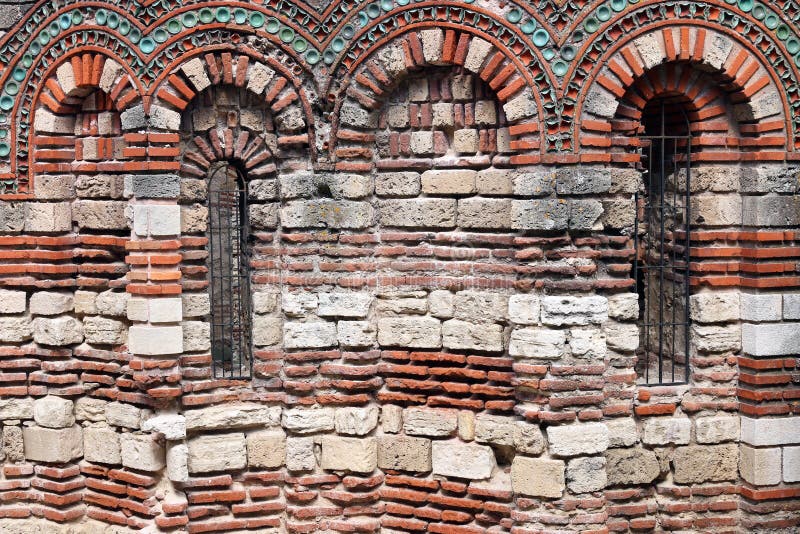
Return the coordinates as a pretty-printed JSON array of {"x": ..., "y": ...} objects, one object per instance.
[
  {"x": 704, "y": 65},
  {"x": 376, "y": 76}
]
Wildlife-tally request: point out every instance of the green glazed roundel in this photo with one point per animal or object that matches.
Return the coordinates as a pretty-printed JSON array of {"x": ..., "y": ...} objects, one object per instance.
[
  {"x": 514, "y": 16},
  {"x": 147, "y": 45},
  {"x": 206, "y": 15},
  {"x": 189, "y": 19},
  {"x": 65, "y": 21},
  {"x": 541, "y": 38},
  {"x": 6, "y": 102},
  {"x": 124, "y": 27},
  {"x": 113, "y": 20},
  {"x": 273, "y": 25},
  {"x": 312, "y": 57},
  {"x": 286, "y": 35},
  {"x": 100, "y": 17},
  {"x": 299, "y": 45},
  {"x": 160, "y": 35},
  {"x": 746, "y": 5},
  {"x": 240, "y": 15},
  {"x": 529, "y": 27},
  {"x": 4, "y": 149},
  {"x": 174, "y": 26},
  {"x": 256, "y": 20},
  {"x": 560, "y": 68},
  {"x": 223, "y": 14}
]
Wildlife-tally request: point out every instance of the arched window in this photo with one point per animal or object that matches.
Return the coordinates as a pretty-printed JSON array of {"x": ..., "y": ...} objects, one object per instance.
[
  {"x": 662, "y": 242},
  {"x": 228, "y": 233}
]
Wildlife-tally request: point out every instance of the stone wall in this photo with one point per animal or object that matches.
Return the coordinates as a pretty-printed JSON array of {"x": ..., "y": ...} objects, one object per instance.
[{"x": 442, "y": 211}]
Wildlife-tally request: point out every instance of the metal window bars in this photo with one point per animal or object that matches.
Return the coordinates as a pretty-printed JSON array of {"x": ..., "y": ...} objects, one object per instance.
[
  {"x": 661, "y": 265},
  {"x": 229, "y": 273}
]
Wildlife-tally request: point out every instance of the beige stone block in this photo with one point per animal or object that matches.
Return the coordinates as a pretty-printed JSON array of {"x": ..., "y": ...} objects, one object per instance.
[
  {"x": 706, "y": 463},
  {"x": 449, "y": 182},
  {"x": 12, "y": 301},
  {"x": 354, "y": 421},
  {"x": 432, "y": 422},
  {"x": 217, "y": 452},
  {"x": 124, "y": 415},
  {"x": 58, "y": 331},
  {"x": 101, "y": 445},
  {"x": 760, "y": 466},
  {"x": 462, "y": 460},
  {"x": 53, "y": 445},
  {"x": 53, "y": 412},
  {"x": 143, "y": 452},
  {"x": 266, "y": 449},
  {"x": 51, "y": 303},
  {"x": 537, "y": 477},
  {"x": 631, "y": 466},
  {"x": 404, "y": 453},
  {"x": 357, "y": 455},
  {"x": 232, "y": 416}
]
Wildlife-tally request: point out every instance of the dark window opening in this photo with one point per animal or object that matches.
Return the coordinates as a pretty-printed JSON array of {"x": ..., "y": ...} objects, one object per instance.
[
  {"x": 229, "y": 271},
  {"x": 662, "y": 244}
]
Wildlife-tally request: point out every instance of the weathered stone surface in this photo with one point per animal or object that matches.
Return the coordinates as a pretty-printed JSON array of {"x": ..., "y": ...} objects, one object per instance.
[
  {"x": 776, "y": 339},
  {"x": 504, "y": 430},
  {"x": 623, "y": 337},
  {"x": 231, "y": 416},
  {"x": 391, "y": 418},
  {"x": 57, "y": 331},
  {"x": 539, "y": 214},
  {"x": 13, "y": 445},
  {"x": 760, "y": 466},
  {"x": 524, "y": 309},
  {"x": 15, "y": 329},
  {"x": 539, "y": 343},
  {"x": 354, "y": 421},
  {"x": 760, "y": 307},
  {"x": 714, "y": 307},
  {"x": 51, "y": 303},
  {"x": 104, "y": 331},
  {"x": 312, "y": 335},
  {"x": 178, "y": 462},
  {"x": 344, "y": 304},
  {"x": 716, "y": 429},
  {"x": 266, "y": 449},
  {"x": 53, "y": 445},
  {"x": 717, "y": 338},
  {"x": 404, "y": 453},
  {"x": 770, "y": 430},
  {"x": 122, "y": 414},
  {"x": 622, "y": 432},
  {"x": 267, "y": 330},
  {"x": 462, "y": 460},
  {"x": 307, "y": 420},
  {"x": 623, "y": 307},
  {"x": 12, "y": 301},
  {"x": 537, "y": 477},
  {"x": 631, "y": 466},
  {"x": 791, "y": 464},
  {"x": 90, "y": 409},
  {"x": 143, "y": 452},
  {"x": 433, "y": 422},
  {"x": 358, "y": 455},
  {"x": 217, "y": 452},
  {"x": 356, "y": 333},
  {"x": 16, "y": 408},
  {"x": 664, "y": 430},
  {"x": 463, "y": 335},
  {"x": 586, "y": 474},
  {"x": 577, "y": 439},
  {"x": 300, "y": 454},
  {"x": 397, "y": 184},
  {"x": 707, "y": 463},
  {"x": 101, "y": 445},
  {"x": 53, "y": 412},
  {"x": 567, "y": 310},
  {"x": 418, "y": 332},
  {"x": 423, "y": 212},
  {"x": 171, "y": 426}
]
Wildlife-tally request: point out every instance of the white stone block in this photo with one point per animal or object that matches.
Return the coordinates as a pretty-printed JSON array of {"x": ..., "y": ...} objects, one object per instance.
[
  {"x": 171, "y": 426},
  {"x": 101, "y": 445},
  {"x": 791, "y": 464},
  {"x": 308, "y": 420},
  {"x": 537, "y": 477},
  {"x": 53, "y": 412},
  {"x": 178, "y": 462},
  {"x": 663, "y": 430},
  {"x": 312, "y": 335},
  {"x": 577, "y": 439},
  {"x": 760, "y": 307},
  {"x": 217, "y": 452},
  {"x": 433, "y": 422},
  {"x": 717, "y": 429},
  {"x": 771, "y": 339},
  {"x": 760, "y": 466},
  {"x": 165, "y": 310},
  {"x": 155, "y": 340},
  {"x": 232, "y": 416},
  {"x": 524, "y": 309},
  {"x": 770, "y": 430},
  {"x": 53, "y": 445},
  {"x": 300, "y": 454},
  {"x": 354, "y": 421},
  {"x": 12, "y": 301},
  {"x": 462, "y": 460},
  {"x": 142, "y": 452},
  {"x": 357, "y": 455}
]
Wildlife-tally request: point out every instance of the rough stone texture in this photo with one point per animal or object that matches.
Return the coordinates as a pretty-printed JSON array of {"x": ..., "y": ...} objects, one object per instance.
[
  {"x": 462, "y": 460},
  {"x": 12, "y": 301},
  {"x": 577, "y": 439},
  {"x": 300, "y": 454},
  {"x": 358, "y": 455},
  {"x": 586, "y": 474},
  {"x": 631, "y": 466},
  {"x": 101, "y": 445},
  {"x": 717, "y": 429},
  {"x": 711, "y": 463},
  {"x": 430, "y": 422},
  {"x": 356, "y": 421},
  {"x": 53, "y": 445},
  {"x": 305, "y": 421},
  {"x": 266, "y": 449},
  {"x": 53, "y": 412},
  {"x": 142, "y": 452},
  {"x": 404, "y": 453},
  {"x": 537, "y": 477},
  {"x": 760, "y": 466},
  {"x": 217, "y": 452},
  {"x": 539, "y": 343},
  {"x": 57, "y": 331},
  {"x": 664, "y": 430},
  {"x": 420, "y": 333}
]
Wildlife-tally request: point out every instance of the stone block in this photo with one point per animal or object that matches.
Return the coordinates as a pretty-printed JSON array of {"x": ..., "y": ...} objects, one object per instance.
[
  {"x": 716, "y": 50},
  {"x": 143, "y": 452},
  {"x": 623, "y": 337},
  {"x": 232, "y": 416},
  {"x": 49, "y": 187},
  {"x": 462, "y": 460},
  {"x": 15, "y": 329},
  {"x": 259, "y": 77},
  {"x": 266, "y": 449},
  {"x": 90, "y": 409},
  {"x": 85, "y": 302},
  {"x": 539, "y": 343},
  {"x": 495, "y": 181},
  {"x": 155, "y": 340},
  {"x": 465, "y": 141},
  {"x": 104, "y": 331},
  {"x": 667, "y": 430},
  {"x": 53, "y": 412},
  {"x": 351, "y": 114},
  {"x": 696, "y": 464},
  {"x": 502, "y": 430},
  {"x": 162, "y": 118},
  {"x": 791, "y": 464},
  {"x": 586, "y": 474},
  {"x": 267, "y": 330},
  {"x": 791, "y": 306},
  {"x": 196, "y": 336},
  {"x": 300, "y": 454},
  {"x": 442, "y": 115},
  {"x": 354, "y": 421},
  {"x": 51, "y": 303},
  {"x": 716, "y": 429},
  {"x": 520, "y": 107},
  {"x": 441, "y": 303},
  {"x": 13, "y": 444},
  {"x": 343, "y": 185},
  {"x": 588, "y": 343},
  {"x": 430, "y": 422},
  {"x": 771, "y": 210},
  {"x": 324, "y": 213},
  {"x": 391, "y": 418},
  {"x": 178, "y": 462},
  {"x": 463, "y": 335},
  {"x": 12, "y": 301},
  {"x": 466, "y": 425},
  {"x": 476, "y": 54},
  {"x": 217, "y": 452},
  {"x": 618, "y": 214},
  {"x": 567, "y": 310},
  {"x": 404, "y": 453},
  {"x": 101, "y": 445},
  {"x": 768, "y": 179},
  {"x": 484, "y": 213},
  {"x": 166, "y": 310},
  {"x": 195, "y": 305},
  {"x": 770, "y": 430},
  {"x": 577, "y": 439},
  {"x": 312, "y": 335},
  {"x": 423, "y": 212},
  {"x": 633, "y": 465},
  {"x": 156, "y": 220},
  {"x": 122, "y": 414},
  {"x": 584, "y": 214},
  {"x": 449, "y": 182},
  {"x": 156, "y": 185},
  {"x": 114, "y": 303},
  {"x": 307, "y": 420},
  {"x": 601, "y": 103},
  {"x": 622, "y": 432},
  {"x": 354, "y": 334},
  {"x": 719, "y": 338},
  {"x": 480, "y": 306},
  {"x": 582, "y": 180},
  {"x": 341, "y": 304},
  {"x": 397, "y": 184},
  {"x": 46, "y": 122},
  {"x": 58, "y": 331},
  {"x": 716, "y": 210},
  {"x": 624, "y": 306},
  {"x": 60, "y": 445},
  {"x": 539, "y": 214},
  {"x": 171, "y": 426},
  {"x": 775, "y": 339},
  {"x": 537, "y": 477},
  {"x": 760, "y": 466},
  {"x": 16, "y": 408},
  {"x": 356, "y": 455},
  {"x": 421, "y": 143},
  {"x": 12, "y": 216},
  {"x": 417, "y": 332}
]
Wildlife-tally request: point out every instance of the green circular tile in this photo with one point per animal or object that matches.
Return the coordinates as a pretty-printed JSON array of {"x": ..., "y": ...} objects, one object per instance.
[
  {"x": 27, "y": 60},
  {"x": 65, "y": 21},
  {"x": 783, "y": 32},
  {"x": 286, "y": 35},
  {"x": 160, "y": 35},
  {"x": 387, "y": 5},
  {"x": 541, "y": 38},
  {"x": 273, "y": 25},
  {"x": 796, "y": 62},
  {"x": 759, "y": 12},
  {"x": 3, "y": 133},
  {"x": 568, "y": 53},
  {"x": 746, "y": 5},
  {"x": 18, "y": 74},
  {"x": 44, "y": 38},
  {"x": 300, "y": 45},
  {"x": 373, "y": 10},
  {"x": 135, "y": 35},
  {"x": 403, "y": 2},
  {"x": 529, "y": 27},
  {"x": 189, "y": 20},
  {"x": 772, "y": 21},
  {"x": 329, "y": 56},
  {"x": 147, "y": 45},
  {"x": 239, "y": 16},
  {"x": 53, "y": 29},
  {"x": 603, "y": 13},
  {"x": 174, "y": 26},
  {"x": 348, "y": 31},
  {"x": 223, "y": 15},
  {"x": 337, "y": 45},
  {"x": 206, "y": 15},
  {"x": 578, "y": 36},
  {"x": 77, "y": 17},
  {"x": 256, "y": 20},
  {"x": 559, "y": 68},
  {"x": 618, "y": 5},
  {"x": 792, "y": 45},
  {"x": 124, "y": 27},
  {"x": 113, "y": 21},
  {"x": 100, "y": 17},
  {"x": 312, "y": 57},
  {"x": 12, "y": 88},
  {"x": 514, "y": 16},
  {"x": 731, "y": 2},
  {"x": 4, "y": 150},
  {"x": 35, "y": 48},
  {"x": 591, "y": 25},
  {"x": 549, "y": 54},
  {"x": 6, "y": 102}
]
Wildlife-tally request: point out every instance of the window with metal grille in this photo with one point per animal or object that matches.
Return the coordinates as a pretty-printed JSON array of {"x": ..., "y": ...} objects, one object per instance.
[
  {"x": 229, "y": 272},
  {"x": 662, "y": 244}
]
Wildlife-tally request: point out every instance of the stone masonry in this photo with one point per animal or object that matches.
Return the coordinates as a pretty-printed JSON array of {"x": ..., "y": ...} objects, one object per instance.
[{"x": 441, "y": 209}]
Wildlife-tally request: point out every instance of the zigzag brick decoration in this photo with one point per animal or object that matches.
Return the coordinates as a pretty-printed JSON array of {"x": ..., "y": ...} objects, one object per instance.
[{"x": 459, "y": 267}]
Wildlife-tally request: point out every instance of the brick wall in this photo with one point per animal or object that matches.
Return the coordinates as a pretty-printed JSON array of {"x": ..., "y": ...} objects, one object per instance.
[{"x": 442, "y": 208}]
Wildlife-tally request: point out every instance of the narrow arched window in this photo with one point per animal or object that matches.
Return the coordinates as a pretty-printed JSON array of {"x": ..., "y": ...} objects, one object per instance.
[
  {"x": 662, "y": 243},
  {"x": 228, "y": 232}
]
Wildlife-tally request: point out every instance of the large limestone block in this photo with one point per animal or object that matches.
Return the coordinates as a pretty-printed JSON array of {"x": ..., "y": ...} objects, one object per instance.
[
  {"x": 717, "y": 429},
  {"x": 502, "y": 430},
  {"x": 622, "y": 432},
  {"x": 171, "y": 426},
  {"x": 718, "y": 338},
  {"x": 13, "y": 408},
  {"x": 567, "y": 310},
  {"x": 15, "y": 329},
  {"x": 143, "y": 452},
  {"x": 12, "y": 301},
  {"x": 122, "y": 414},
  {"x": 104, "y": 331},
  {"x": 266, "y": 449},
  {"x": 480, "y": 306},
  {"x": 462, "y": 460},
  {"x": 101, "y": 445},
  {"x": 53, "y": 412},
  {"x": 664, "y": 430},
  {"x": 415, "y": 333},
  {"x": 58, "y": 331},
  {"x": 432, "y": 422},
  {"x": 760, "y": 466},
  {"x": 714, "y": 307},
  {"x": 586, "y": 474},
  {"x": 217, "y": 452},
  {"x": 537, "y": 477},
  {"x": 267, "y": 330},
  {"x": 308, "y": 420},
  {"x": 631, "y": 466},
  {"x": 706, "y": 463},
  {"x": 404, "y": 453},
  {"x": 232, "y": 416},
  {"x": 536, "y": 342},
  {"x": 344, "y": 305},
  {"x": 463, "y": 335},
  {"x": 577, "y": 439},
  {"x": 313, "y": 335},
  {"x": 357, "y": 455},
  {"x": 90, "y": 409},
  {"x": 356, "y": 421},
  {"x": 53, "y": 445},
  {"x": 524, "y": 308},
  {"x": 300, "y": 454},
  {"x": 178, "y": 462}
]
